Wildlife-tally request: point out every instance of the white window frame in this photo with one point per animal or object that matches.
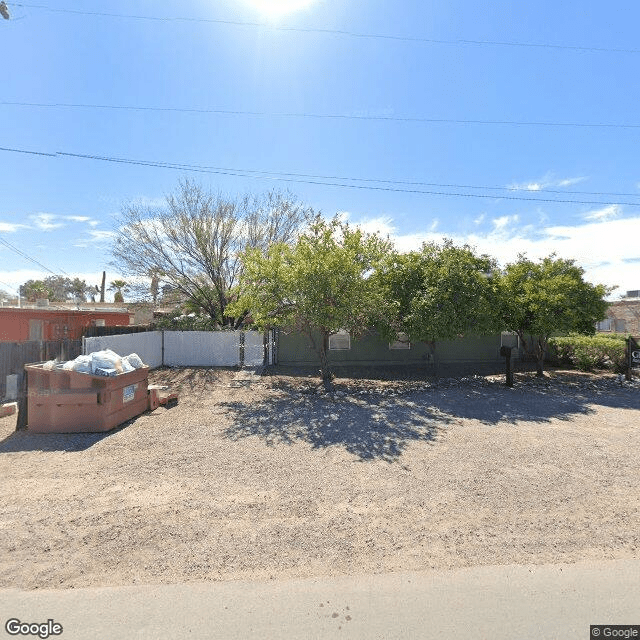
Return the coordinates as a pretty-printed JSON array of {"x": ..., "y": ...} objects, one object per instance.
[
  {"x": 401, "y": 343},
  {"x": 339, "y": 335}
]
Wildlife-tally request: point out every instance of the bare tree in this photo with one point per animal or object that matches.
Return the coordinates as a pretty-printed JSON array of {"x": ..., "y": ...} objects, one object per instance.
[{"x": 195, "y": 242}]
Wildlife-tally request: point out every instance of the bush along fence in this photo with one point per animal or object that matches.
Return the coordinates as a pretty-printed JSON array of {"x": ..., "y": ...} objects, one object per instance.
[{"x": 617, "y": 353}]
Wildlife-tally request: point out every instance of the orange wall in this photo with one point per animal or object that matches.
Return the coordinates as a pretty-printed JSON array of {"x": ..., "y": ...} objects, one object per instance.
[{"x": 56, "y": 325}]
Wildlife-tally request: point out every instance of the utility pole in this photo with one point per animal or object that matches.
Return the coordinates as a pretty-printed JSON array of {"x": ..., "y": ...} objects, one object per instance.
[{"x": 4, "y": 10}]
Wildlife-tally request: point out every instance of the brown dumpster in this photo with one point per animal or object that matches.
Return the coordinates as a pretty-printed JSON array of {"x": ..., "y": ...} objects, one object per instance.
[{"x": 62, "y": 401}]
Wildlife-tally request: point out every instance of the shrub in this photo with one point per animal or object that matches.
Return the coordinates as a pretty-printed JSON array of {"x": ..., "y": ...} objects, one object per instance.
[
  {"x": 180, "y": 322},
  {"x": 590, "y": 352}
]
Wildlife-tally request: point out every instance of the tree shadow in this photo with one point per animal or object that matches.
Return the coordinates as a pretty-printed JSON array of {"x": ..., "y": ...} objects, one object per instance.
[
  {"x": 380, "y": 425},
  {"x": 371, "y": 429}
]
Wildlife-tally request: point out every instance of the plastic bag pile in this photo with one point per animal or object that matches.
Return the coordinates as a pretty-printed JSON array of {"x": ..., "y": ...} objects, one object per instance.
[{"x": 99, "y": 363}]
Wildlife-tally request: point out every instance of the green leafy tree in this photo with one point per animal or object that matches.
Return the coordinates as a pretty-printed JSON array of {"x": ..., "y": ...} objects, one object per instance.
[
  {"x": 441, "y": 292},
  {"x": 56, "y": 289},
  {"x": 546, "y": 298},
  {"x": 318, "y": 286},
  {"x": 33, "y": 290},
  {"x": 79, "y": 290},
  {"x": 118, "y": 286}
]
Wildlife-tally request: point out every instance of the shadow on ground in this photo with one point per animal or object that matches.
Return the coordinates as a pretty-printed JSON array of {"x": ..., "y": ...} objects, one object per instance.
[
  {"x": 68, "y": 442},
  {"x": 380, "y": 423},
  {"x": 369, "y": 429}
]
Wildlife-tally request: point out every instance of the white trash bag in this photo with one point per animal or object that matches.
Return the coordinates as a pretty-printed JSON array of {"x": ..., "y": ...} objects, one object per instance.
[
  {"x": 134, "y": 360},
  {"x": 104, "y": 361}
]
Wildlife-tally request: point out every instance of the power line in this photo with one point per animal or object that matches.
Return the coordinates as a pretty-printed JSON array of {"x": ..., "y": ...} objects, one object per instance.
[
  {"x": 337, "y": 32},
  {"x": 328, "y": 116},
  {"x": 28, "y": 257},
  {"x": 324, "y": 180}
]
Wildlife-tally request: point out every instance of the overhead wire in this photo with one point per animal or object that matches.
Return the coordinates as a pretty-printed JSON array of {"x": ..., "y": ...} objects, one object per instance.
[
  {"x": 327, "y": 116},
  {"x": 36, "y": 262},
  {"x": 331, "y": 180},
  {"x": 336, "y": 32}
]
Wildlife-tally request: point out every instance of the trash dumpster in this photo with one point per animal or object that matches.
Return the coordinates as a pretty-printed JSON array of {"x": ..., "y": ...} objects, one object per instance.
[{"x": 65, "y": 401}]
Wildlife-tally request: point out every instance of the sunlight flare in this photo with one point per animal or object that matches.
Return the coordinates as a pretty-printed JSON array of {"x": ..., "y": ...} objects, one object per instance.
[{"x": 278, "y": 8}]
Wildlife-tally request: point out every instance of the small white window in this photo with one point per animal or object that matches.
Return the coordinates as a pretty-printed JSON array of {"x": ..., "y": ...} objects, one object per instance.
[
  {"x": 100, "y": 322},
  {"x": 401, "y": 343},
  {"x": 340, "y": 341}
]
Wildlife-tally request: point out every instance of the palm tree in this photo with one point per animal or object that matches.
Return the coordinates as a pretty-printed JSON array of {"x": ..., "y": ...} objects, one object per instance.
[{"x": 118, "y": 286}]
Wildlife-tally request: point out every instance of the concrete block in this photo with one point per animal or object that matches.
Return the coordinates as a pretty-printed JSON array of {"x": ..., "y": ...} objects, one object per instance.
[{"x": 8, "y": 409}]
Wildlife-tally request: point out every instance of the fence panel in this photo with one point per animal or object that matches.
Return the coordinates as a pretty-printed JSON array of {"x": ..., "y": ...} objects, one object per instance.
[
  {"x": 202, "y": 348},
  {"x": 253, "y": 348},
  {"x": 14, "y": 355},
  {"x": 148, "y": 345}
]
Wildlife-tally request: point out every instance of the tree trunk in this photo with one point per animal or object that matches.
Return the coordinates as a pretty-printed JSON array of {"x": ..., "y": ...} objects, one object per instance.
[
  {"x": 325, "y": 367},
  {"x": 321, "y": 350},
  {"x": 104, "y": 284},
  {"x": 540, "y": 351}
]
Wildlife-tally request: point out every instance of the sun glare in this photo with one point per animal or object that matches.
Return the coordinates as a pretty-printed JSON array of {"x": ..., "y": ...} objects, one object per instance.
[{"x": 279, "y": 8}]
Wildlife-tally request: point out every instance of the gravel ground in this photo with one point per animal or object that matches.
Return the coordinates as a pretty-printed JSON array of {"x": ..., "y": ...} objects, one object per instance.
[{"x": 268, "y": 477}]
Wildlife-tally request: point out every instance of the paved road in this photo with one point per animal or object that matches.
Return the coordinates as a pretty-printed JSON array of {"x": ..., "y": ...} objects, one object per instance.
[{"x": 541, "y": 602}]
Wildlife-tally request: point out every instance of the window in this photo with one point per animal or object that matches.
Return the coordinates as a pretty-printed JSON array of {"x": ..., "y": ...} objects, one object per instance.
[
  {"x": 340, "y": 341},
  {"x": 605, "y": 325},
  {"x": 401, "y": 343},
  {"x": 620, "y": 325}
]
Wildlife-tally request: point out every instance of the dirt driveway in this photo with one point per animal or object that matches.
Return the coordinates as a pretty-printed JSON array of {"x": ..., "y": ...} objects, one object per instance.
[{"x": 272, "y": 479}]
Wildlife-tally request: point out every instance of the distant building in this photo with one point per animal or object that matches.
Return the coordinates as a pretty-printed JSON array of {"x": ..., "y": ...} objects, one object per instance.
[
  {"x": 45, "y": 323},
  {"x": 623, "y": 316}
]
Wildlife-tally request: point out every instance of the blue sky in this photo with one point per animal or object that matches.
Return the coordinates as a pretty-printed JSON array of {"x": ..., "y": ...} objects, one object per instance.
[{"x": 404, "y": 109}]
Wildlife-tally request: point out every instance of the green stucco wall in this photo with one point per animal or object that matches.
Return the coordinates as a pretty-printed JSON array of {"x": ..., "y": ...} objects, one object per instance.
[{"x": 371, "y": 350}]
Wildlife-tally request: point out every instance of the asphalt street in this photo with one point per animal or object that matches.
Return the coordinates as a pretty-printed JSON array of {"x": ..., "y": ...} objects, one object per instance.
[{"x": 499, "y": 602}]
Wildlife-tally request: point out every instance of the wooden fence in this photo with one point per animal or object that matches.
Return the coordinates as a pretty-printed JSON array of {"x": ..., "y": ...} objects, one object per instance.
[{"x": 14, "y": 355}]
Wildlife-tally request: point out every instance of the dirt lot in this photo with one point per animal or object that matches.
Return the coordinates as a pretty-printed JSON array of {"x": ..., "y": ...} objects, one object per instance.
[{"x": 272, "y": 478}]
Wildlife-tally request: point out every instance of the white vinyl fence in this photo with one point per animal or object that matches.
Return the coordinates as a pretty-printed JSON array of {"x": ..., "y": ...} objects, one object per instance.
[
  {"x": 188, "y": 348},
  {"x": 147, "y": 344}
]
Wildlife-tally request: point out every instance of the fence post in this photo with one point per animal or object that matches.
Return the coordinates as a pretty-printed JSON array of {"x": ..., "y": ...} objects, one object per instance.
[
  {"x": 23, "y": 401},
  {"x": 162, "y": 354},
  {"x": 241, "y": 353}
]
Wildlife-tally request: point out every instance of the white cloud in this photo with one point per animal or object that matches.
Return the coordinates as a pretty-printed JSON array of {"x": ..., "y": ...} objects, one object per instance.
[
  {"x": 95, "y": 237},
  {"x": 606, "y": 213},
  {"x": 382, "y": 225},
  {"x": 546, "y": 182},
  {"x": 603, "y": 247},
  {"x": 11, "y": 227},
  {"x": 77, "y": 218},
  {"x": 568, "y": 182},
  {"x": 480, "y": 219},
  {"x": 44, "y": 221},
  {"x": 500, "y": 224}
]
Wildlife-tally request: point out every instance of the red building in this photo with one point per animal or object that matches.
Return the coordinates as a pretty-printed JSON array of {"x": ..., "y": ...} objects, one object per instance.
[{"x": 20, "y": 325}]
